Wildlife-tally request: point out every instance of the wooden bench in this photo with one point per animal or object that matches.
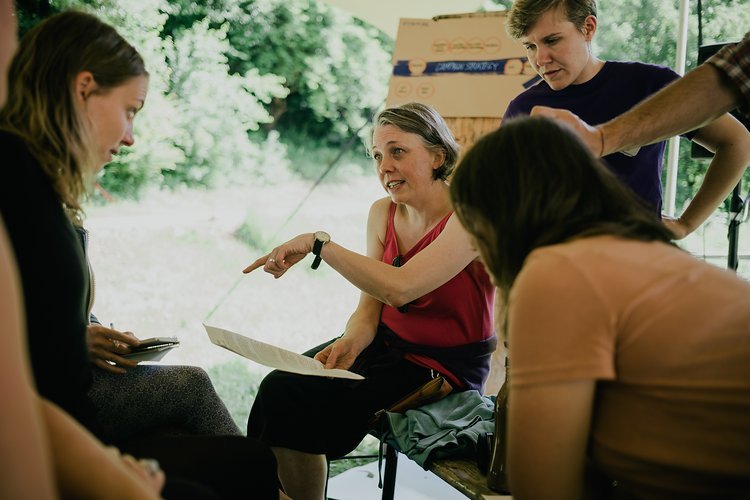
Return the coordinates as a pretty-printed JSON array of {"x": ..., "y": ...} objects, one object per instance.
[{"x": 462, "y": 474}]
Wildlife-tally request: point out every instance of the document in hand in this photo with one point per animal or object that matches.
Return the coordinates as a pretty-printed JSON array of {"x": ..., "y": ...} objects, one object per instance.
[{"x": 275, "y": 357}]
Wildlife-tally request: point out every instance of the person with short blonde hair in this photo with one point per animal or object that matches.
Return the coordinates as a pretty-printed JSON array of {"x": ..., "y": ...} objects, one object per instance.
[{"x": 558, "y": 38}]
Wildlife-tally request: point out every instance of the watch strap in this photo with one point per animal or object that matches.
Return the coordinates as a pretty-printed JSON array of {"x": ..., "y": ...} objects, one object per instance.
[{"x": 317, "y": 247}]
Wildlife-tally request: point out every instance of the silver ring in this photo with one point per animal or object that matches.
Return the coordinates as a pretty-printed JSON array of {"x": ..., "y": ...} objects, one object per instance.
[
  {"x": 151, "y": 465},
  {"x": 271, "y": 260},
  {"x": 114, "y": 343}
]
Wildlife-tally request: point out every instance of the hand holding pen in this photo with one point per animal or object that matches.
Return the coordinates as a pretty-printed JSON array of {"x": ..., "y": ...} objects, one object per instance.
[{"x": 107, "y": 345}]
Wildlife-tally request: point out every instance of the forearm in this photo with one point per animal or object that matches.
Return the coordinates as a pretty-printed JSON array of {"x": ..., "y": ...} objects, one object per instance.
[
  {"x": 363, "y": 323},
  {"x": 25, "y": 460},
  {"x": 388, "y": 284},
  {"x": 83, "y": 467},
  {"x": 684, "y": 105},
  {"x": 722, "y": 175},
  {"x": 728, "y": 139}
]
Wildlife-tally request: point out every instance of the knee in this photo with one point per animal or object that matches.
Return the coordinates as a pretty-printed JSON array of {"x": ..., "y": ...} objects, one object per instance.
[
  {"x": 272, "y": 384},
  {"x": 195, "y": 377}
]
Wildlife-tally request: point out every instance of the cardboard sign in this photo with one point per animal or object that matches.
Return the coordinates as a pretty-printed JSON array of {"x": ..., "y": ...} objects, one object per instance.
[{"x": 465, "y": 65}]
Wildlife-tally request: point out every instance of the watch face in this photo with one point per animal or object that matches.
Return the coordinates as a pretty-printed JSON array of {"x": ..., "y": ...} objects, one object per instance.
[{"x": 322, "y": 236}]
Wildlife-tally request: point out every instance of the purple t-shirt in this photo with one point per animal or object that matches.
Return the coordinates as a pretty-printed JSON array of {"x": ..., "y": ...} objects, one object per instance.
[{"x": 615, "y": 89}]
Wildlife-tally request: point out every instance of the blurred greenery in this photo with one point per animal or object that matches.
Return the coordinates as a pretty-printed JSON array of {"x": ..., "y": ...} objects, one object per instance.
[
  {"x": 230, "y": 78},
  {"x": 308, "y": 158},
  {"x": 251, "y": 233},
  {"x": 240, "y": 88}
]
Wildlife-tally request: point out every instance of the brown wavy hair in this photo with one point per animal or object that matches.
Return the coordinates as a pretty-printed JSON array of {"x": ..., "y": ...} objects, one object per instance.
[
  {"x": 41, "y": 108},
  {"x": 426, "y": 122},
  {"x": 533, "y": 183}
]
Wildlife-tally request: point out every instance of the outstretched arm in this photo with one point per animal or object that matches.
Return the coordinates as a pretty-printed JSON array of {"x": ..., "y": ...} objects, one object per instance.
[
  {"x": 435, "y": 265},
  {"x": 730, "y": 141},
  {"x": 686, "y": 104}
]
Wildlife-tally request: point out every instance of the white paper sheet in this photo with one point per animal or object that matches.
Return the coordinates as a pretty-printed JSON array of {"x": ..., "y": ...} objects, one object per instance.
[{"x": 275, "y": 357}]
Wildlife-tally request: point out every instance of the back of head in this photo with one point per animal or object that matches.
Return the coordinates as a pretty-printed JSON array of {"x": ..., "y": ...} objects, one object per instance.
[
  {"x": 41, "y": 108},
  {"x": 532, "y": 183},
  {"x": 524, "y": 14},
  {"x": 426, "y": 122}
]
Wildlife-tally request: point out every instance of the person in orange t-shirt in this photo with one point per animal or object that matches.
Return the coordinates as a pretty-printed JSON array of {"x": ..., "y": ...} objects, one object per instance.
[{"x": 630, "y": 359}]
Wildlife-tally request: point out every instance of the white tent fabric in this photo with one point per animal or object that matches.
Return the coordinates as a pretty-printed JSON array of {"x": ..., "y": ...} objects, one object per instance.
[{"x": 384, "y": 14}]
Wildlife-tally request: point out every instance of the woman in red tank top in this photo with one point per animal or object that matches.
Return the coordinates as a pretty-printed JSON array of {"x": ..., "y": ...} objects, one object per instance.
[{"x": 425, "y": 306}]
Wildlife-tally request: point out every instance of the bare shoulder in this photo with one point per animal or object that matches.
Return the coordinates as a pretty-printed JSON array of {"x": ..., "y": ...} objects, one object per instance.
[
  {"x": 377, "y": 220},
  {"x": 379, "y": 210},
  {"x": 455, "y": 227}
]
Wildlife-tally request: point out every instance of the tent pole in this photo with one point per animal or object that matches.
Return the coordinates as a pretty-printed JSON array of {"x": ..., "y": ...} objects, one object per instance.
[{"x": 670, "y": 187}]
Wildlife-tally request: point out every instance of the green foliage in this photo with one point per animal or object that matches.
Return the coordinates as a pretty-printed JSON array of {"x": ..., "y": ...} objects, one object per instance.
[
  {"x": 352, "y": 54},
  {"x": 335, "y": 68},
  {"x": 30, "y": 12},
  {"x": 195, "y": 128},
  {"x": 141, "y": 23},
  {"x": 227, "y": 75},
  {"x": 646, "y": 30},
  {"x": 251, "y": 233},
  {"x": 215, "y": 110},
  {"x": 309, "y": 157}
]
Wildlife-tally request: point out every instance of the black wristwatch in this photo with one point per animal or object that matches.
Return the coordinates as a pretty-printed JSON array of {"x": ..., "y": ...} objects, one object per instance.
[{"x": 321, "y": 238}]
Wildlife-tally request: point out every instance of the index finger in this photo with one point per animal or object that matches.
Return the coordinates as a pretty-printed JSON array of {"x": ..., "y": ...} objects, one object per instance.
[
  {"x": 255, "y": 265},
  {"x": 323, "y": 354},
  {"x": 332, "y": 358}
]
